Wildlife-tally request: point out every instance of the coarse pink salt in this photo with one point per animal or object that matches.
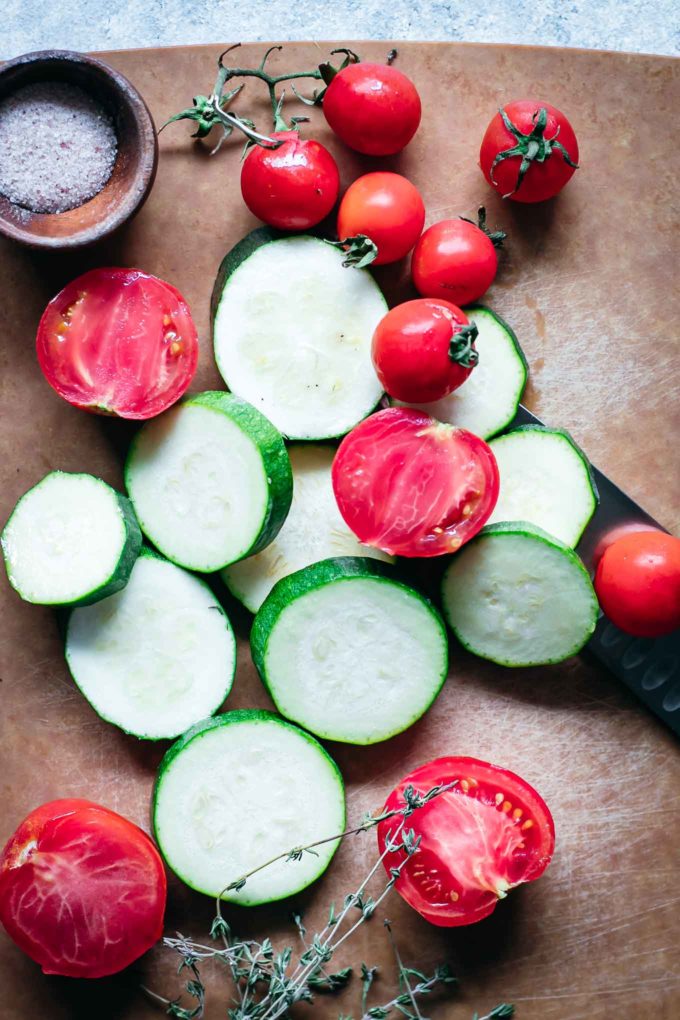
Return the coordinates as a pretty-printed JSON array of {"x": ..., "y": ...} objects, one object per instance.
[{"x": 57, "y": 147}]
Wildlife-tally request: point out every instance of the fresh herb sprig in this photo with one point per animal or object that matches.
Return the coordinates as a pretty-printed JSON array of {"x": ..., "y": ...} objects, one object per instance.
[{"x": 267, "y": 983}]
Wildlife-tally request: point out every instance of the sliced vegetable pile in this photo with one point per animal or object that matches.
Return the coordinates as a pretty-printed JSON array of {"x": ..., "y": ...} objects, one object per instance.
[{"x": 305, "y": 537}]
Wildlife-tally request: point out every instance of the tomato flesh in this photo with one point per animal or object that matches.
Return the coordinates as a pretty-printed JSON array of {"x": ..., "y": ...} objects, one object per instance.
[
  {"x": 412, "y": 350},
  {"x": 412, "y": 486},
  {"x": 82, "y": 889},
  {"x": 637, "y": 582},
  {"x": 373, "y": 108},
  {"x": 118, "y": 341},
  {"x": 544, "y": 179},
  {"x": 293, "y": 187},
  {"x": 388, "y": 209},
  {"x": 489, "y": 833},
  {"x": 454, "y": 260}
]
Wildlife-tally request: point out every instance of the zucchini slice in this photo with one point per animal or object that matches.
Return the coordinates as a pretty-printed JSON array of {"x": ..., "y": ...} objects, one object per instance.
[
  {"x": 210, "y": 480},
  {"x": 519, "y": 597},
  {"x": 348, "y": 652},
  {"x": 545, "y": 479},
  {"x": 156, "y": 657},
  {"x": 70, "y": 540},
  {"x": 313, "y": 530},
  {"x": 237, "y": 790},
  {"x": 292, "y": 329},
  {"x": 488, "y": 400}
]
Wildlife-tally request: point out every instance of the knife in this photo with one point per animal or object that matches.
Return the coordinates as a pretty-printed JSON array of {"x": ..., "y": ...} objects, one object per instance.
[{"x": 650, "y": 667}]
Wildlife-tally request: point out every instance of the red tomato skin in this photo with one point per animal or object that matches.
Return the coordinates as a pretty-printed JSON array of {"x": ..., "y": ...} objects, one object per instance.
[
  {"x": 454, "y": 260},
  {"x": 293, "y": 187},
  {"x": 410, "y": 350},
  {"x": 388, "y": 209},
  {"x": 373, "y": 108},
  {"x": 56, "y": 910},
  {"x": 542, "y": 180},
  {"x": 118, "y": 342},
  {"x": 637, "y": 582},
  {"x": 412, "y": 486},
  {"x": 473, "y": 848}
]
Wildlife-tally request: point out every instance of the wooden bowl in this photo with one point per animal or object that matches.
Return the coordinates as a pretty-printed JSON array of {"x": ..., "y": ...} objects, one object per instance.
[{"x": 137, "y": 157}]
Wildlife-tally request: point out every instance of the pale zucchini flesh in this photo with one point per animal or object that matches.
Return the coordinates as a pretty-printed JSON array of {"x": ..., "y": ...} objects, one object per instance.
[
  {"x": 236, "y": 791},
  {"x": 156, "y": 657},
  {"x": 70, "y": 540},
  {"x": 519, "y": 597},
  {"x": 292, "y": 332},
  {"x": 210, "y": 481},
  {"x": 545, "y": 479},
  {"x": 488, "y": 400},
  {"x": 314, "y": 530},
  {"x": 348, "y": 652}
]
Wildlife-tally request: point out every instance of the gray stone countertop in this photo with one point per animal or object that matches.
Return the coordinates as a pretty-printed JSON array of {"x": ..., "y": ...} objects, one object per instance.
[{"x": 643, "y": 26}]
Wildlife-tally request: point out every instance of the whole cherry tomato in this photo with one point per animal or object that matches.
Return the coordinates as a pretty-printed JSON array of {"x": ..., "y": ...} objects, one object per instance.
[
  {"x": 118, "y": 341},
  {"x": 456, "y": 260},
  {"x": 637, "y": 582},
  {"x": 373, "y": 108},
  {"x": 413, "y": 486},
  {"x": 422, "y": 350},
  {"x": 529, "y": 151},
  {"x": 385, "y": 207},
  {"x": 293, "y": 187},
  {"x": 82, "y": 889},
  {"x": 486, "y": 835}
]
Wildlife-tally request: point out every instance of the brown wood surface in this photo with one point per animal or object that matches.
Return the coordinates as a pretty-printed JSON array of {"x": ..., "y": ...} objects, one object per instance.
[{"x": 588, "y": 284}]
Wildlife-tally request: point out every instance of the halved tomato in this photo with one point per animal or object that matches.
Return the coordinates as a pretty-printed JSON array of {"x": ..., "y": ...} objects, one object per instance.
[
  {"x": 489, "y": 833},
  {"x": 82, "y": 889},
  {"x": 413, "y": 486},
  {"x": 120, "y": 342}
]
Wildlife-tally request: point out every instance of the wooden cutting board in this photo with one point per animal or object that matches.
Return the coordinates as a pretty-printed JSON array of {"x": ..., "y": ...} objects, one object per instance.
[{"x": 589, "y": 285}]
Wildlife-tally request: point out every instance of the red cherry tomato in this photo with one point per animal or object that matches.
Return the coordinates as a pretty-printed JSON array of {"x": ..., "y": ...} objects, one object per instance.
[
  {"x": 373, "y": 108},
  {"x": 638, "y": 583},
  {"x": 422, "y": 350},
  {"x": 82, "y": 889},
  {"x": 293, "y": 187},
  {"x": 118, "y": 341},
  {"x": 489, "y": 833},
  {"x": 455, "y": 260},
  {"x": 529, "y": 151},
  {"x": 412, "y": 486},
  {"x": 388, "y": 209}
]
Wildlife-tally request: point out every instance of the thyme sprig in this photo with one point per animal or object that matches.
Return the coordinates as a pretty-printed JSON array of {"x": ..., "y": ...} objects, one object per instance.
[{"x": 267, "y": 983}]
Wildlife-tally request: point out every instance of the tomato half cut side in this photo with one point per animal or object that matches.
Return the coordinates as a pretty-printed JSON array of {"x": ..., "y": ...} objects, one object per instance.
[
  {"x": 118, "y": 342},
  {"x": 413, "y": 486},
  {"x": 82, "y": 889},
  {"x": 486, "y": 835}
]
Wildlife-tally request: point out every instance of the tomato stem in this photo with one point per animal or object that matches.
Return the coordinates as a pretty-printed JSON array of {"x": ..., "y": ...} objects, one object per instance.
[
  {"x": 460, "y": 346},
  {"x": 532, "y": 147},
  {"x": 359, "y": 250},
  {"x": 495, "y": 236}
]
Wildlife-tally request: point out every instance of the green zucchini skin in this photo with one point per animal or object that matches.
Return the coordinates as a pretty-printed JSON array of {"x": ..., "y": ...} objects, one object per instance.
[
  {"x": 272, "y": 450},
  {"x": 521, "y": 357},
  {"x": 235, "y": 717},
  {"x": 339, "y": 568},
  {"x": 131, "y": 548},
  {"x": 523, "y": 528}
]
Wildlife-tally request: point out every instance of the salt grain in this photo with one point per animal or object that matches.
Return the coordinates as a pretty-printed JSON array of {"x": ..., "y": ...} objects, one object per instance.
[{"x": 57, "y": 147}]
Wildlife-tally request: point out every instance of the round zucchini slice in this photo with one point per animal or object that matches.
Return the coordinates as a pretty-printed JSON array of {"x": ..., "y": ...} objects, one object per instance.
[
  {"x": 156, "y": 657},
  {"x": 349, "y": 652},
  {"x": 237, "y": 790},
  {"x": 292, "y": 329},
  {"x": 519, "y": 597},
  {"x": 70, "y": 541},
  {"x": 210, "y": 481}
]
